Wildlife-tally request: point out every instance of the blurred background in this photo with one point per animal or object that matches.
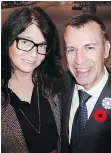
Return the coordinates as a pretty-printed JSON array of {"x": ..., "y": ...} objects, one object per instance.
[{"x": 61, "y": 11}]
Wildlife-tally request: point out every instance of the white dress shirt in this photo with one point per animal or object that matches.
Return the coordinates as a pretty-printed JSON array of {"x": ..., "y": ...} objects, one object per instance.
[{"x": 94, "y": 92}]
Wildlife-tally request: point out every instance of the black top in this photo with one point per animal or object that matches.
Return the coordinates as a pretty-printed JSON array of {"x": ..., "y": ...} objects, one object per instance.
[{"x": 46, "y": 140}]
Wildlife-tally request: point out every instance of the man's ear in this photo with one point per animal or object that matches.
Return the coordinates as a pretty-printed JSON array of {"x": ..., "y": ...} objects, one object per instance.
[{"x": 107, "y": 49}]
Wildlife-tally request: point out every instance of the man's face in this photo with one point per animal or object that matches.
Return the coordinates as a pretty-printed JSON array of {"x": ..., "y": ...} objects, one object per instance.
[{"x": 85, "y": 52}]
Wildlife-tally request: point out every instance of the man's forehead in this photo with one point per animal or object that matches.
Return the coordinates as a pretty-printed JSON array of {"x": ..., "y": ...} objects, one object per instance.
[{"x": 89, "y": 33}]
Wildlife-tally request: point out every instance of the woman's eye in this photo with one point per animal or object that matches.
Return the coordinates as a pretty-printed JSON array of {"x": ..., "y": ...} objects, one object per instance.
[
  {"x": 24, "y": 41},
  {"x": 43, "y": 46}
]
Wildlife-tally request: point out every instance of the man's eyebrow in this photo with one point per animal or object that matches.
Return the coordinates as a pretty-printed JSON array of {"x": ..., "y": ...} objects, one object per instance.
[
  {"x": 90, "y": 44},
  {"x": 70, "y": 47}
]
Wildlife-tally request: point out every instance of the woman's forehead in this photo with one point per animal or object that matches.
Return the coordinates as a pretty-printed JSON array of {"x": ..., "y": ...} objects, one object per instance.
[{"x": 33, "y": 33}]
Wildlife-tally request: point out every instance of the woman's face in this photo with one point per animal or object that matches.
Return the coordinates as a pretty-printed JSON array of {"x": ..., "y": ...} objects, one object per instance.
[{"x": 23, "y": 54}]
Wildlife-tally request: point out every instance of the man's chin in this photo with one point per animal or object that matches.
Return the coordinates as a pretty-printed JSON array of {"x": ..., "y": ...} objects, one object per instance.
[{"x": 82, "y": 82}]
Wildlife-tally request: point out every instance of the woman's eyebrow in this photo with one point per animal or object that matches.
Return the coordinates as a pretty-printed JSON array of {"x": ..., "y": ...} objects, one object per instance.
[{"x": 31, "y": 39}]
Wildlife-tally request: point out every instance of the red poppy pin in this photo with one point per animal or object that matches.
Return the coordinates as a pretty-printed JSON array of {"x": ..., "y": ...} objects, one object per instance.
[{"x": 100, "y": 115}]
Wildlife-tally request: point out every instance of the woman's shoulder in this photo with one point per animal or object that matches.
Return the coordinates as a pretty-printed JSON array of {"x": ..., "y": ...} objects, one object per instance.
[{"x": 4, "y": 92}]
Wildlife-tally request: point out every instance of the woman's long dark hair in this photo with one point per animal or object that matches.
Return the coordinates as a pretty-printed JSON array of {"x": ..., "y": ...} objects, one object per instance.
[{"x": 50, "y": 70}]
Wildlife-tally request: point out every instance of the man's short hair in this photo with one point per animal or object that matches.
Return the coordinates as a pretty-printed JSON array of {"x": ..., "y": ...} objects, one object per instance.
[{"x": 82, "y": 19}]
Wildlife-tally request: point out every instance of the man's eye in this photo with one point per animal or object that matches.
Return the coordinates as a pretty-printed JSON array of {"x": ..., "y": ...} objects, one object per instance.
[
  {"x": 70, "y": 50},
  {"x": 90, "y": 48}
]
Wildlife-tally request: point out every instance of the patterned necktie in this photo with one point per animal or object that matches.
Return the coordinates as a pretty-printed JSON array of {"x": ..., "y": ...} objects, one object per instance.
[{"x": 79, "y": 120}]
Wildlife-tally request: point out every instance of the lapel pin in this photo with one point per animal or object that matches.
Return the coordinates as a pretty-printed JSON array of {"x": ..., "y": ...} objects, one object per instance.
[
  {"x": 106, "y": 103},
  {"x": 100, "y": 115}
]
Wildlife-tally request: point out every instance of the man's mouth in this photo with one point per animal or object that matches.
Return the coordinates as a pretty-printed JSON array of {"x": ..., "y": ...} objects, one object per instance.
[{"x": 83, "y": 70}]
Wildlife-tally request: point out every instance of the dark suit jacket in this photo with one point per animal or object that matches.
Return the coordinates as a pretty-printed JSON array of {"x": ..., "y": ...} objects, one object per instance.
[
  {"x": 12, "y": 140},
  {"x": 97, "y": 135}
]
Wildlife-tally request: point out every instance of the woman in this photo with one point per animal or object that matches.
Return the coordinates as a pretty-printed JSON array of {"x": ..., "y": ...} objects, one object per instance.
[{"x": 31, "y": 83}]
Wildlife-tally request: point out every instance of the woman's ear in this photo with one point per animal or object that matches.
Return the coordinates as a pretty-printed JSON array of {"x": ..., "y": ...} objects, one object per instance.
[{"x": 107, "y": 49}]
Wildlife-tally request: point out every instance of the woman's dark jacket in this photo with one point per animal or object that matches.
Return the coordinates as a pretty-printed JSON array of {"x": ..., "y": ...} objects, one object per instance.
[{"x": 12, "y": 140}]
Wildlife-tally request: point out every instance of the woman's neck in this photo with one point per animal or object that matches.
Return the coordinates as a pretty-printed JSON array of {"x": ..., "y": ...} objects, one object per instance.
[
  {"x": 21, "y": 84},
  {"x": 21, "y": 78}
]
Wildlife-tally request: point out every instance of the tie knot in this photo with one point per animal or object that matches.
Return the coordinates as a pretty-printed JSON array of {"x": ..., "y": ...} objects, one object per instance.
[{"x": 83, "y": 96}]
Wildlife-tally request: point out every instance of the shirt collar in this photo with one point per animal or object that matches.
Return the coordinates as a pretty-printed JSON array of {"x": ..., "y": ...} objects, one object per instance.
[{"x": 96, "y": 90}]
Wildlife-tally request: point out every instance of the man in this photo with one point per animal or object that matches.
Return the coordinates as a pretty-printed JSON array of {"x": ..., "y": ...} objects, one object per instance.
[{"x": 86, "y": 104}]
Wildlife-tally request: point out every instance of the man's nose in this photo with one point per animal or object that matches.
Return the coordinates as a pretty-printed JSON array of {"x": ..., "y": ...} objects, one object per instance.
[{"x": 79, "y": 57}]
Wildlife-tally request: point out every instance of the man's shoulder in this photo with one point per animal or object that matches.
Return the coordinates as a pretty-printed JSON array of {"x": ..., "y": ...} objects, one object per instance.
[
  {"x": 108, "y": 70},
  {"x": 109, "y": 73},
  {"x": 108, "y": 82},
  {"x": 109, "y": 79}
]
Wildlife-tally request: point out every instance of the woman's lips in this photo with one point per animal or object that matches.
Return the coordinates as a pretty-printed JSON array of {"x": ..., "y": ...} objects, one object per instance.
[{"x": 28, "y": 61}]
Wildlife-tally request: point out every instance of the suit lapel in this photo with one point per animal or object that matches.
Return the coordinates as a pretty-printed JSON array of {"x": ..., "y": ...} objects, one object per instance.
[
  {"x": 93, "y": 127},
  {"x": 66, "y": 104}
]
